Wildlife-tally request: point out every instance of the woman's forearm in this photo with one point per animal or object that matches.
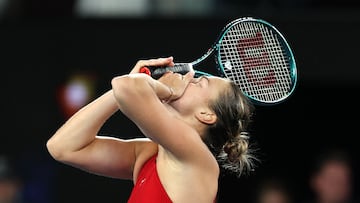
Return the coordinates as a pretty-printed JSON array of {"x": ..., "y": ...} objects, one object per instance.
[
  {"x": 81, "y": 129},
  {"x": 129, "y": 88}
]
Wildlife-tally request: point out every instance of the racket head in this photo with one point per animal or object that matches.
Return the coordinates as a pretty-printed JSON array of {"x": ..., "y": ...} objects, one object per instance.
[{"x": 256, "y": 56}]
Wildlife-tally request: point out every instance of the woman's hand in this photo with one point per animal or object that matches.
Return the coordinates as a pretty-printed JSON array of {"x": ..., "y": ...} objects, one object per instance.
[
  {"x": 177, "y": 83},
  {"x": 152, "y": 62}
]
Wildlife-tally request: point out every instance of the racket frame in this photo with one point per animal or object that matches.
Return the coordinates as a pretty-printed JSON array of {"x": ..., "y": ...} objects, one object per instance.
[{"x": 221, "y": 69}]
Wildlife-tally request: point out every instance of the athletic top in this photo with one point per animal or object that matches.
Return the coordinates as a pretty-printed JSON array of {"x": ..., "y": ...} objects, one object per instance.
[{"x": 148, "y": 188}]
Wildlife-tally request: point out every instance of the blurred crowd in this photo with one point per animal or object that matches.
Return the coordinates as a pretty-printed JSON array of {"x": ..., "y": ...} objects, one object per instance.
[
  {"x": 331, "y": 180},
  {"x": 13, "y": 9},
  {"x": 333, "y": 175}
]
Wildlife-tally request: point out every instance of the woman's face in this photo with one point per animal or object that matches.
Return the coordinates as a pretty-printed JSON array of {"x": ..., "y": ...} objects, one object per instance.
[{"x": 199, "y": 93}]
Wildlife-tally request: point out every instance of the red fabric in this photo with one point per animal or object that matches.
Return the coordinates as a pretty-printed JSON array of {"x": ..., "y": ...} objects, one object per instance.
[{"x": 148, "y": 188}]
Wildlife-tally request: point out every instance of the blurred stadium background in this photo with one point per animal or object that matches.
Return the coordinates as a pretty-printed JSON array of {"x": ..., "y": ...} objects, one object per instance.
[{"x": 58, "y": 55}]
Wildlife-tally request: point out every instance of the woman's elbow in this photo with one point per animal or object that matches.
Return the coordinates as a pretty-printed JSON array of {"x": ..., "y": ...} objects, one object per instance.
[
  {"x": 124, "y": 87},
  {"x": 118, "y": 84},
  {"x": 58, "y": 149},
  {"x": 116, "y": 81},
  {"x": 54, "y": 149}
]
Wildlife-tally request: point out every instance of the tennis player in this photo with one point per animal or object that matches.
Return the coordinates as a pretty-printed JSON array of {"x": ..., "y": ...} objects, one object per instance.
[{"x": 193, "y": 128}]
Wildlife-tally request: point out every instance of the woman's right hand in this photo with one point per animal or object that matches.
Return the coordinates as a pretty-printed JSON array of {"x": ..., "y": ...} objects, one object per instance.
[{"x": 177, "y": 83}]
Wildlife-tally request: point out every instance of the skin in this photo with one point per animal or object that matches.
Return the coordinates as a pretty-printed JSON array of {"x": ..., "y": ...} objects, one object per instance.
[
  {"x": 333, "y": 183},
  {"x": 9, "y": 190},
  {"x": 173, "y": 129}
]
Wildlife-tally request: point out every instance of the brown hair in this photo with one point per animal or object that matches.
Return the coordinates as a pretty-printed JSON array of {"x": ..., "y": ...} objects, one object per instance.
[{"x": 228, "y": 138}]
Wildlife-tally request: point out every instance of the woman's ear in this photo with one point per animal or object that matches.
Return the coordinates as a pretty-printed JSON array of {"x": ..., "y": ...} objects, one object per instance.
[{"x": 206, "y": 116}]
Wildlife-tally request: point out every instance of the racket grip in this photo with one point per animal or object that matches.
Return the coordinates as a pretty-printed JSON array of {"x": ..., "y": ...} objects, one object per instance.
[{"x": 156, "y": 72}]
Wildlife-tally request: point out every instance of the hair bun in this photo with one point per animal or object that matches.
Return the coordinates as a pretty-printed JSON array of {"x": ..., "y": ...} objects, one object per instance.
[
  {"x": 236, "y": 155},
  {"x": 236, "y": 147}
]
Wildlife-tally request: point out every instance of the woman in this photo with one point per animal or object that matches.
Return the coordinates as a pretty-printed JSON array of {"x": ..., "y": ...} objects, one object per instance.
[{"x": 190, "y": 124}]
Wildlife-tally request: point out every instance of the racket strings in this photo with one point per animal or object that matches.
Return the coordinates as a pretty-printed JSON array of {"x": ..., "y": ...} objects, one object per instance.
[{"x": 253, "y": 57}]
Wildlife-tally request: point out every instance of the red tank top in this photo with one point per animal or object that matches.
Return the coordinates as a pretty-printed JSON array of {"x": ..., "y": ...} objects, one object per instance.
[{"x": 148, "y": 188}]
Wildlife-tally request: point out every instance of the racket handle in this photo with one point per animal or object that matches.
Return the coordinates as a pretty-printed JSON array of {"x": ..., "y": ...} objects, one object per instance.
[{"x": 156, "y": 72}]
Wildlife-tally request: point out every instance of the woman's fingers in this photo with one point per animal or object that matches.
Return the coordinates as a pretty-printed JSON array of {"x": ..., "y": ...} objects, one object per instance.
[
  {"x": 168, "y": 61},
  {"x": 189, "y": 76},
  {"x": 177, "y": 82}
]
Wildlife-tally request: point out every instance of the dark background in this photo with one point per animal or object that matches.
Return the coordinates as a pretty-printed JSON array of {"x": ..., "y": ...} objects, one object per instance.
[{"x": 42, "y": 43}]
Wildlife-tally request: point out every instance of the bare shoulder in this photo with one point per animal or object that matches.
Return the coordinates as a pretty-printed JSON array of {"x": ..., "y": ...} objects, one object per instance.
[{"x": 176, "y": 176}]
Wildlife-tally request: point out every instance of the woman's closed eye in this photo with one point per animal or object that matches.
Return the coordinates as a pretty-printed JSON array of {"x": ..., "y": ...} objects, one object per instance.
[
  {"x": 198, "y": 82},
  {"x": 204, "y": 81},
  {"x": 201, "y": 81}
]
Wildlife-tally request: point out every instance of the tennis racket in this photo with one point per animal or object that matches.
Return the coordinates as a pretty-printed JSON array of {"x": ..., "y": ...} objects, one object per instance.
[{"x": 253, "y": 54}]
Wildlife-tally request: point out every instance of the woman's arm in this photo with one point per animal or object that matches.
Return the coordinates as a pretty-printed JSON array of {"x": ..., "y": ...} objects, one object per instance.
[
  {"x": 140, "y": 98},
  {"x": 76, "y": 142}
]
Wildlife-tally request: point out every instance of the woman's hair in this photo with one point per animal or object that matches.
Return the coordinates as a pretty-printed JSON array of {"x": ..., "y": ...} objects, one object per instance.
[{"x": 228, "y": 138}]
